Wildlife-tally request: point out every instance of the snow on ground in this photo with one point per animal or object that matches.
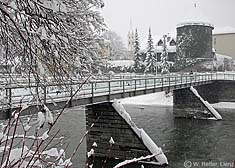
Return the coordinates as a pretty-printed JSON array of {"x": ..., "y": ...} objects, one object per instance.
[
  {"x": 228, "y": 105},
  {"x": 220, "y": 59},
  {"x": 163, "y": 99},
  {"x": 160, "y": 98},
  {"x": 123, "y": 63}
]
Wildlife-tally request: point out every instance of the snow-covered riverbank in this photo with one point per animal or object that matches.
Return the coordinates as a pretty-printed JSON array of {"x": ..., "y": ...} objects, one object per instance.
[
  {"x": 163, "y": 99},
  {"x": 160, "y": 98}
]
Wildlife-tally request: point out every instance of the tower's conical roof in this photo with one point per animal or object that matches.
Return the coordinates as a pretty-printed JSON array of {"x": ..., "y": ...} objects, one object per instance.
[{"x": 195, "y": 17}]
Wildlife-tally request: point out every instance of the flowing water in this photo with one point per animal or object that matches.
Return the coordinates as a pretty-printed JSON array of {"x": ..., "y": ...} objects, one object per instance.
[
  {"x": 198, "y": 141},
  {"x": 184, "y": 141}
]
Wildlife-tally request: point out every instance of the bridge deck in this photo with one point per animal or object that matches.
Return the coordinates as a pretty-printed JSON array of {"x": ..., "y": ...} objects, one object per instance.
[{"x": 106, "y": 90}]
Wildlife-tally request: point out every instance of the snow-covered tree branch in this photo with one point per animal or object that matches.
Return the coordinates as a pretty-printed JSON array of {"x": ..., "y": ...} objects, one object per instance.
[
  {"x": 164, "y": 57},
  {"x": 55, "y": 38},
  {"x": 45, "y": 40}
]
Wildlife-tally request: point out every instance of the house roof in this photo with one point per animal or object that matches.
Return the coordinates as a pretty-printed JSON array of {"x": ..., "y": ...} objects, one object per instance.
[
  {"x": 122, "y": 63},
  {"x": 224, "y": 30},
  {"x": 169, "y": 49},
  {"x": 157, "y": 38},
  {"x": 194, "y": 16},
  {"x": 195, "y": 23}
]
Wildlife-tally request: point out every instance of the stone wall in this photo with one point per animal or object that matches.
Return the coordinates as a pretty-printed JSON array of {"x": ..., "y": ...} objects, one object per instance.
[
  {"x": 194, "y": 44},
  {"x": 194, "y": 41},
  {"x": 186, "y": 104},
  {"x": 108, "y": 123}
]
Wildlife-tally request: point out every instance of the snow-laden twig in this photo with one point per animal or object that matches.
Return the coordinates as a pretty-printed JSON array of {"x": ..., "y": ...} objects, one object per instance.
[
  {"x": 14, "y": 133},
  {"x": 111, "y": 141},
  {"x": 94, "y": 144},
  {"x": 126, "y": 162}
]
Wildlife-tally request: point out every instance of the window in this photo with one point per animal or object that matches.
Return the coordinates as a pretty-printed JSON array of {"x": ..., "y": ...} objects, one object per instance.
[
  {"x": 172, "y": 43},
  {"x": 160, "y": 43}
]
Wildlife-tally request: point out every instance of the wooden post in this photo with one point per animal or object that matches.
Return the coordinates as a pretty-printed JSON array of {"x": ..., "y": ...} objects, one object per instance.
[
  {"x": 9, "y": 103},
  {"x": 135, "y": 87},
  {"x": 145, "y": 83},
  {"x": 10, "y": 96},
  {"x": 169, "y": 83},
  {"x": 45, "y": 94},
  {"x": 123, "y": 88},
  {"x": 181, "y": 80},
  {"x": 154, "y": 84},
  {"x": 92, "y": 92},
  {"x": 109, "y": 83}
]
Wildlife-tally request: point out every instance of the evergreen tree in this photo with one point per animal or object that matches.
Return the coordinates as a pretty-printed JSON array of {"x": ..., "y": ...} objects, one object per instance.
[
  {"x": 150, "y": 61},
  {"x": 164, "y": 57},
  {"x": 137, "y": 55}
]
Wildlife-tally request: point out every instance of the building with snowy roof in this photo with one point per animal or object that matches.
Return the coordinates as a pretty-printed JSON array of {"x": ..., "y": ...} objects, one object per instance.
[
  {"x": 170, "y": 45},
  {"x": 158, "y": 46},
  {"x": 224, "y": 40},
  {"x": 194, "y": 41},
  {"x": 223, "y": 62}
]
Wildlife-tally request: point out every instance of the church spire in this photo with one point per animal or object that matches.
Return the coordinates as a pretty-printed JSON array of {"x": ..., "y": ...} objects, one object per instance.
[
  {"x": 131, "y": 28},
  {"x": 130, "y": 49}
]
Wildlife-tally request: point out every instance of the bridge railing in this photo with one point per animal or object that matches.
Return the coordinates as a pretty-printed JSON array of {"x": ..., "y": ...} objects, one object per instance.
[{"x": 22, "y": 93}]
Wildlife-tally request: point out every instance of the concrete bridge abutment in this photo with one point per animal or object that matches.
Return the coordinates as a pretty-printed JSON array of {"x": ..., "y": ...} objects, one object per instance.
[{"x": 186, "y": 104}]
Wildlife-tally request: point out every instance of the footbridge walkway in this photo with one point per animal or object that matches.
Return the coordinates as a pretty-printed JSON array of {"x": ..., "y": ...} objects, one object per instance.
[{"x": 95, "y": 91}]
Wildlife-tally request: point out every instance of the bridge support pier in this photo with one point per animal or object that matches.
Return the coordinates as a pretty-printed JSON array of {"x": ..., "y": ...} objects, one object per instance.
[
  {"x": 103, "y": 123},
  {"x": 188, "y": 105}
]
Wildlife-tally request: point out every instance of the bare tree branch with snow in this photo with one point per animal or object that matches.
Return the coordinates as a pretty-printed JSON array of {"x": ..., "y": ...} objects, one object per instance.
[{"x": 50, "y": 38}]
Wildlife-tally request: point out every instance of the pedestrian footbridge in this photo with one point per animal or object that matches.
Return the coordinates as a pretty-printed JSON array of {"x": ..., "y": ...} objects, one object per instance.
[{"x": 116, "y": 136}]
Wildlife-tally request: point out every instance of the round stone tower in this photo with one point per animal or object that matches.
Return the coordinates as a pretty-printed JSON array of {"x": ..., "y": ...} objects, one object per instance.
[{"x": 194, "y": 41}]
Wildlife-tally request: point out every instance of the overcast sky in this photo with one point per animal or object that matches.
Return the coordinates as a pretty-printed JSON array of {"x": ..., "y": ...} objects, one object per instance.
[{"x": 163, "y": 15}]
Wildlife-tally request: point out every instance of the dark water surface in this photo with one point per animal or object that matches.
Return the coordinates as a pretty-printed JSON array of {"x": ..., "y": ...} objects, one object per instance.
[
  {"x": 203, "y": 141},
  {"x": 182, "y": 140}
]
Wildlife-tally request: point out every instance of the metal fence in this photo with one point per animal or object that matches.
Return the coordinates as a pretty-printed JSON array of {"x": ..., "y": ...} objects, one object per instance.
[{"x": 18, "y": 93}]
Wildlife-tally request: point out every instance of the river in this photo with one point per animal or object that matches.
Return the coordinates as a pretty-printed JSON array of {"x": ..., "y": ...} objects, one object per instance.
[
  {"x": 204, "y": 141},
  {"x": 188, "y": 140}
]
